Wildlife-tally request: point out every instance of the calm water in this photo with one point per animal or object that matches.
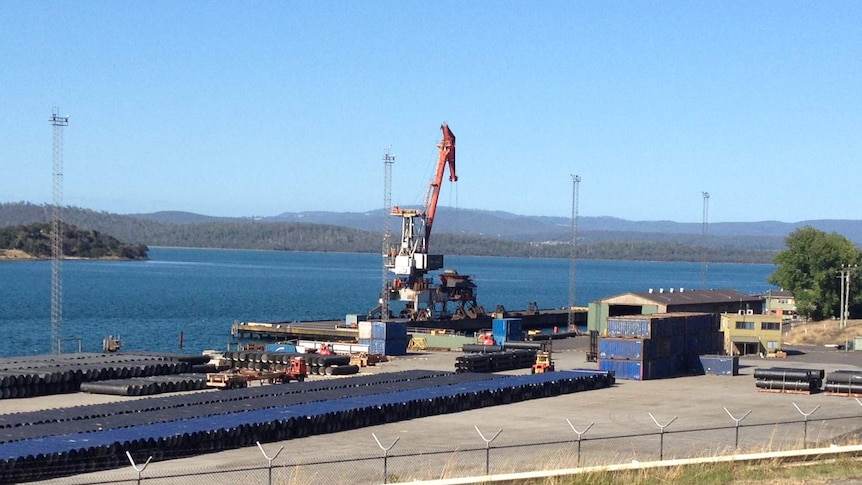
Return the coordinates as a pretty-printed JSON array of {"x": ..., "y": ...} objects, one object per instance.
[{"x": 201, "y": 292}]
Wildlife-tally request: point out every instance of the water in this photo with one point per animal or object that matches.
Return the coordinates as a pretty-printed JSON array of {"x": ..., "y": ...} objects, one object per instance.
[{"x": 200, "y": 292}]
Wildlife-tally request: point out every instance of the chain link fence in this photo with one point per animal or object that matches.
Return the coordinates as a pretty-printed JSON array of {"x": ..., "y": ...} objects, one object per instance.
[{"x": 406, "y": 462}]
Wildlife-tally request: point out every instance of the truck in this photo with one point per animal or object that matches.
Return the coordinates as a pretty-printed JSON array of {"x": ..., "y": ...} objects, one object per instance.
[{"x": 239, "y": 378}]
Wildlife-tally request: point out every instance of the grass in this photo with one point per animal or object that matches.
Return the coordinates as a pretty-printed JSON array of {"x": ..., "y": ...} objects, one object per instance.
[
  {"x": 823, "y": 332},
  {"x": 725, "y": 474}
]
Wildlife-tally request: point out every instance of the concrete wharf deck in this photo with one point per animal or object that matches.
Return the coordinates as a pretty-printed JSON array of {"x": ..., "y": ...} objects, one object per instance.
[{"x": 318, "y": 329}]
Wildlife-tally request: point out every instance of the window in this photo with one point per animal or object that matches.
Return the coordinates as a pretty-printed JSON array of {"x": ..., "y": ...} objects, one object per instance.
[
  {"x": 770, "y": 326},
  {"x": 771, "y": 344},
  {"x": 745, "y": 325}
]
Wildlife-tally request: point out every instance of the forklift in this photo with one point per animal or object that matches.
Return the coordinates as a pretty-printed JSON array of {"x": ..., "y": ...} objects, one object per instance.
[{"x": 544, "y": 363}]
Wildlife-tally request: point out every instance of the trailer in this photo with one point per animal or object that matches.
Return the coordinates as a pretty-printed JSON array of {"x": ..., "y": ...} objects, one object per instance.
[{"x": 240, "y": 378}]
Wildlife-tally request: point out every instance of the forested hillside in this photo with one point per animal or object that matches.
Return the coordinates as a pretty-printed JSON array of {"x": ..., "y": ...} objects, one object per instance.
[
  {"x": 35, "y": 240},
  {"x": 296, "y": 236}
]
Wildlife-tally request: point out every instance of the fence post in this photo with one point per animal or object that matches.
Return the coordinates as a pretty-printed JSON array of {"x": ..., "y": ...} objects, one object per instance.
[
  {"x": 579, "y": 433},
  {"x": 141, "y": 469},
  {"x": 661, "y": 435},
  {"x": 737, "y": 420},
  {"x": 268, "y": 459},
  {"x": 487, "y": 448},
  {"x": 385, "y": 456},
  {"x": 805, "y": 429}
]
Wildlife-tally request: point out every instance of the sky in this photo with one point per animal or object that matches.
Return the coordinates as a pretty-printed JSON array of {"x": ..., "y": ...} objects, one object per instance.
[{"x": 259, "y": 108}]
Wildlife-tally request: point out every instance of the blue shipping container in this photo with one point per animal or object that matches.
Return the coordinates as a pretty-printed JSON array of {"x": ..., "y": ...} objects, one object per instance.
[
  {"x": 639, "y": 370},
  {"x": 724, "y": 365},
  {"x": 388, "y": 330},
  {"x": 508, "y": 328},
  {"x": 677, "y": 345},
  {"x": 633, "y": 349},
  {"x": 386, "y": 347},
  {"x": 645, "y": 326}
]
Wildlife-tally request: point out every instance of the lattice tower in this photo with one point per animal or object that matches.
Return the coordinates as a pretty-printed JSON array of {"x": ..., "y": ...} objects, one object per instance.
[
  {"x": 703, "y": 265},
  {"x": 58, "y": 122},
  {"x": 388, "y": 160},
  {"x": 573, "y": 252}
]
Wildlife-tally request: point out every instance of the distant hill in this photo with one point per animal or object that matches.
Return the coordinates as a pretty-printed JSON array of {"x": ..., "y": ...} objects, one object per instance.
[
  {"x": 34, "y": 240},
  {"x": 458, "y": 231},
  {"x": 762, "y": 234}
]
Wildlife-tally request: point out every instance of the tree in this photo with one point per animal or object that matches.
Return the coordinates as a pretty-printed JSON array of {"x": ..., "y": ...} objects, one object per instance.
[{"x": 809, "y": 269}]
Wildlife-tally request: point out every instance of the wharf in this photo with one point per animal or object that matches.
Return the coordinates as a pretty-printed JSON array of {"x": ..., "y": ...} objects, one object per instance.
[
  {"x": 335, "y": 330},
  {"x": 331, "y": 330}
]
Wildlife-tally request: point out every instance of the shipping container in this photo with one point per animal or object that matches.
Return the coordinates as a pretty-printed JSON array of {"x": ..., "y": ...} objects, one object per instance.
[
  {"x": 351, "y": 320},
  {"x": 724, "y": 365},
  {"x": 646, "y": 326},
  {"x": 507, "y": 329},
  {"x": 639, "y": 370},
  {"x": 633, "y": 349},
  {"x": 386, "y": 347},
  {"x": 364, "y": 330},
  {"x": 677, "y": 345},
  {"x": 388, "y": 330}
]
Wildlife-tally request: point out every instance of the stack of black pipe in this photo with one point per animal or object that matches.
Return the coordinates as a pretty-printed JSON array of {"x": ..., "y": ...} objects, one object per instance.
[
  {"x": 64, "y": 373},
  {"x": 146, "y": 386},
  {"x": 798, "y": 381},
  {"x": 42, "y": 445},
  {"x": 277, "y": 361},
  {"x": 496, "y": 361},
  {"x": 844, "y": 383}
]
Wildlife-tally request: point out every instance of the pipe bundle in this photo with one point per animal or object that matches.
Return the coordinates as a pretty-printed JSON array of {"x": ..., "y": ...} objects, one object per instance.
[
  {"x": 65, "y": 373},
  {"x": 844, "y": 383},
  {"x": 317, "y": 364},
  {"x": 795, "y": 381},
  {"x": 496, "y": 361},
  {"x": 167, "y": 428}
]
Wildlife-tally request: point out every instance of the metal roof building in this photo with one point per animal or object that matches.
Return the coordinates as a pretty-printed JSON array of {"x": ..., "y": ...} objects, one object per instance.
[{"x": 670, "y": 301}]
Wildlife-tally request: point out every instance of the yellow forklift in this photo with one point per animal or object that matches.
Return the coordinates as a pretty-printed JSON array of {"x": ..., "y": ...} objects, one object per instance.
[{"x": 544, "y": 363}]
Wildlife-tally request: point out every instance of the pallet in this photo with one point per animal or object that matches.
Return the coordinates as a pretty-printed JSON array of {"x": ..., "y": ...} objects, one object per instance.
[
  {"x": 843, "y": 394},
  {"x": 783, "y": 391}
]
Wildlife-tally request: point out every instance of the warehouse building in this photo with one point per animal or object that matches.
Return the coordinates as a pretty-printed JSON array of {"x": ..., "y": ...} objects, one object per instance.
[{"x": 670, "y": 301}]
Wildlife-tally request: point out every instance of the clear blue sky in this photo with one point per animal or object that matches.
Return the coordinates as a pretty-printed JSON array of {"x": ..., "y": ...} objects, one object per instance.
[{"x": 257, "y": 108}]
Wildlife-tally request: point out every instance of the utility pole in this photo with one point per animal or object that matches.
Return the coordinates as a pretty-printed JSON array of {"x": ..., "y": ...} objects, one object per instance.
[
  {"x": 58, "y": 122},
  {"x": 703, "y": 265},
  {"x": 573, "y": 253},
  {"x": 846, "y": 315},
  {"x": 841, "y": 274},
  {"x": 388, "y": 160},
  {"x": 844, "y": 282}
]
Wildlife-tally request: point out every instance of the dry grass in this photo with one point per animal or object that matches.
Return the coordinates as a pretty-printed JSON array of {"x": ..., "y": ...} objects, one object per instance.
[
  {"x": 823, "y": 332},
  {"x": 14, "y": 254}
]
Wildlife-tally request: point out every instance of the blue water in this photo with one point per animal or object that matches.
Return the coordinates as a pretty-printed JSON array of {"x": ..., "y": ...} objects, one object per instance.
[{"x": 200, "y": 292}]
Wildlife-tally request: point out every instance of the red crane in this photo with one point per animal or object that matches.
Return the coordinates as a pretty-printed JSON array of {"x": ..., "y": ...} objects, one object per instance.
[{"x": 447, "y": 157}]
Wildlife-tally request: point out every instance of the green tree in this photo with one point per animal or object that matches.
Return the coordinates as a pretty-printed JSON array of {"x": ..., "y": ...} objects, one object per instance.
[{"x": 809, "y": 268}]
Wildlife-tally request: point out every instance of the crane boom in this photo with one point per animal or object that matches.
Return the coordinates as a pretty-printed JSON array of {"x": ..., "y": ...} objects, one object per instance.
[{"x": 447, "y": 157}]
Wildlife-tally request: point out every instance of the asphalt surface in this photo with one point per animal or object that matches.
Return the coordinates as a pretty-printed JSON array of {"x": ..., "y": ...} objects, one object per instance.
[{"x": 623, "y": 426}]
